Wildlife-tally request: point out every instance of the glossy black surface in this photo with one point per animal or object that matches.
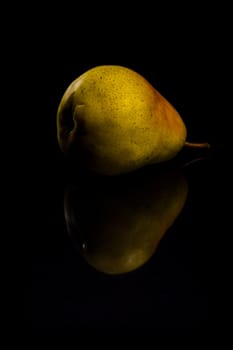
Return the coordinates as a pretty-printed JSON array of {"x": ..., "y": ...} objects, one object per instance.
[{"x": 170, "y": 293}]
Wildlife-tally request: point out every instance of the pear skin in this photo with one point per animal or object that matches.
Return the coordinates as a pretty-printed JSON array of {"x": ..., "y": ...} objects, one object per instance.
[
  {"x": 113, "y": 121},
  {"x": 118, "y": 225}
]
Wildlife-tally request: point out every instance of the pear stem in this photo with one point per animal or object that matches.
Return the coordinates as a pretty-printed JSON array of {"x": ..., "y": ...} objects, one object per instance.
[{"x": 197, "y": 145}]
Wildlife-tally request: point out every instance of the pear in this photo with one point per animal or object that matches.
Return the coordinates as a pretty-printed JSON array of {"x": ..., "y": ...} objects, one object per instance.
[
  {"x": 117, "y": 225},
  {"x": 112, "y": 121}
]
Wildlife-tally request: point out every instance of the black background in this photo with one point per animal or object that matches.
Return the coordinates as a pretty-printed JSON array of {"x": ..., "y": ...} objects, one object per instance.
[{"x": 171, "y": 292}]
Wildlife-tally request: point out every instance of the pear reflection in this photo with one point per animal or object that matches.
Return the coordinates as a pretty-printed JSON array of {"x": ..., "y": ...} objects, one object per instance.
[{"x": 117, "y": 223}]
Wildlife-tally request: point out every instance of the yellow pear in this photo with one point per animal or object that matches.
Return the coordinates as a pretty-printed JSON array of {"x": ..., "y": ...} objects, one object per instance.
[
  {"x": 118, "y": 224},
  {"x": 113, "y": 121}
]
